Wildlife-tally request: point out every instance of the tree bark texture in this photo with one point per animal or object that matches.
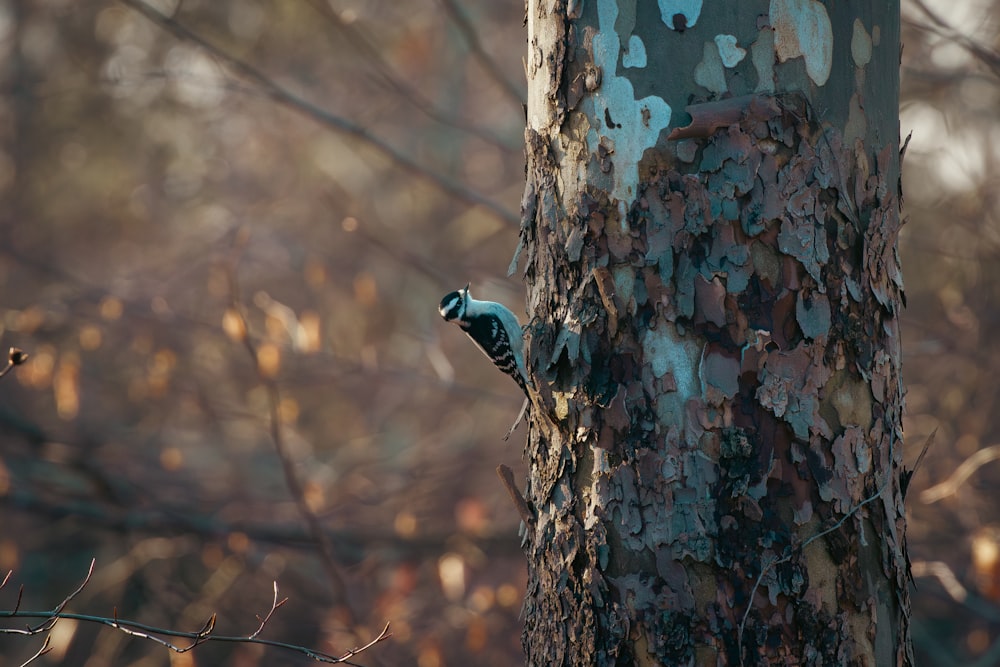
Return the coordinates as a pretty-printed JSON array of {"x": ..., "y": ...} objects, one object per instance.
[{"x": 709, "y": 230}]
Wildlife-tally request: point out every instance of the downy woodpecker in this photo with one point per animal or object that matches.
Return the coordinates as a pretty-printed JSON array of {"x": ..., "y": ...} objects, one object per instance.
[{"x": 493, "y": 328}]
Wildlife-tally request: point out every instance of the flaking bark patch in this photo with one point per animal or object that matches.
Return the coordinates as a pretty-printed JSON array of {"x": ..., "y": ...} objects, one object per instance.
[{"x": 715, "y": 458}]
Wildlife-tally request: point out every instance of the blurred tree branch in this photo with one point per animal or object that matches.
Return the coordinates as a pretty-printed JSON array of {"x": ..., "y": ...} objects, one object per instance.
[
  {"x": 461, "y": 21},
  {"x": 943, "y": 29},
  {"x": 289, "y": 100},
  {"x": 398, "y": 85},
  {"x": 292, "y": 481},
  {"x": 960, "y": 475},
  {"x": 173, "y": 521},
  {"x": 957, "y": 592}
]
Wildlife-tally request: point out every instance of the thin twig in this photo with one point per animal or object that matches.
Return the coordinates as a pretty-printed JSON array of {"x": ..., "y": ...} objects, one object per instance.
[
  {"x": 905, "y": 476},
  {"x": 923, "y": 451},
  {"x": 274, "y": 607},
  {"x": 385, "y": 634},
  {"x": 42, "y": 651},
  {"x": 291, "y": 101},
  {"x": 47, "y": 625}
]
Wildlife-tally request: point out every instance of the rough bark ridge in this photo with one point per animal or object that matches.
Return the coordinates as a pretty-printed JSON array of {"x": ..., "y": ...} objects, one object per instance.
[{"x": 716, "y": 439}]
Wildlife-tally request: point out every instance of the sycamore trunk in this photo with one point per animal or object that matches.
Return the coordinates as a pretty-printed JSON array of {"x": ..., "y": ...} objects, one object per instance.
[{"x": 710, "y": 225}]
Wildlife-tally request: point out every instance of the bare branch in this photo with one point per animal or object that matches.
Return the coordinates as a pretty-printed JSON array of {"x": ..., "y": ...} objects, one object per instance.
[
  {"x": 157, "y": 635},
  {"x": 149, "y": 633},
  {"x": 291, "y": 101}
]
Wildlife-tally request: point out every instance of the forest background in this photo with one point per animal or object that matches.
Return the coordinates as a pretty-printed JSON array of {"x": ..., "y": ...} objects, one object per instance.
[{"x": 224, "y": 232}]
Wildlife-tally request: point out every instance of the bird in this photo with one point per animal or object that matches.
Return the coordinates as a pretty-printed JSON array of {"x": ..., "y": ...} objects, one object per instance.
[{"x": 496, "y": 331}]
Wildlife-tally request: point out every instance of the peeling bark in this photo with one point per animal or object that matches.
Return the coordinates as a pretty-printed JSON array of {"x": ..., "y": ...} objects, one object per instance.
[{"x": 715, "y": 439}]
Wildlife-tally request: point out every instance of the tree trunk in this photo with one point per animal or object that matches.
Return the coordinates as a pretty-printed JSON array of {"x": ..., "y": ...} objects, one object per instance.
[{"x": 710, "y": 226}]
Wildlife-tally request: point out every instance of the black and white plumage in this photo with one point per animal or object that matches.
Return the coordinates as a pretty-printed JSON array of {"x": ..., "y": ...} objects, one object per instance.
[{"x": 493, "y": 328}]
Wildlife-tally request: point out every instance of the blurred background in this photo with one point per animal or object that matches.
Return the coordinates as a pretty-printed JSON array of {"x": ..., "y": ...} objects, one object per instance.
[{"x": 174, "y": 175}]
